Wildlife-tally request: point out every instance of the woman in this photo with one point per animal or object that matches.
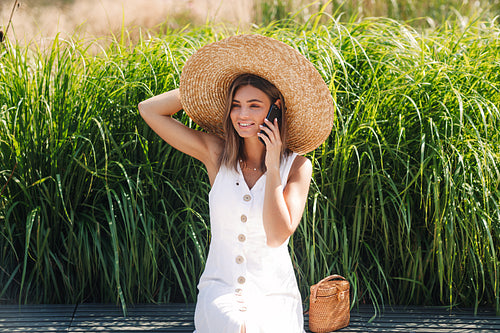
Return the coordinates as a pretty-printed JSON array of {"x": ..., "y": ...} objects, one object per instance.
[{"x": 259, "y": 187}]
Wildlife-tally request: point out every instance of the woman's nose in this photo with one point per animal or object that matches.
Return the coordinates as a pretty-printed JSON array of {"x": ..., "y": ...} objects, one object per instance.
[{"x": 244, "y": 111}]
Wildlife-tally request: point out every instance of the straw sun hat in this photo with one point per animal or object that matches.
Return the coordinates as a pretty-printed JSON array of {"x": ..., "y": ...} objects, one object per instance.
[{"x": 209, "y": 72}]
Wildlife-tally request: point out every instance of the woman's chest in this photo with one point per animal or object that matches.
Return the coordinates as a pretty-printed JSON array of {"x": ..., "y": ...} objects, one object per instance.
[{"x": 233, "y": 203}]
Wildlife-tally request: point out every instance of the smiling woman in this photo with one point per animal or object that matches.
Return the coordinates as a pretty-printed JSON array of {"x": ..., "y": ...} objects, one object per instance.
[
  {"x": 248, "y": 110},
  {"x": 252, "y": 99},
  {"x": 258, "y": 189}
]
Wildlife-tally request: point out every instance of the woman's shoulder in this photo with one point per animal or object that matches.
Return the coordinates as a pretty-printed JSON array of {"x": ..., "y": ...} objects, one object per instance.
[
  {"x": 300, "y": 166},
  {"x": 301, "y": 161},
  {"x": 297, "y": 159}
]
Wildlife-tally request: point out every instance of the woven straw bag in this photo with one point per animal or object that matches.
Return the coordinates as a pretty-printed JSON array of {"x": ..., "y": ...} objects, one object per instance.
[{"x": 329, "y": 304}]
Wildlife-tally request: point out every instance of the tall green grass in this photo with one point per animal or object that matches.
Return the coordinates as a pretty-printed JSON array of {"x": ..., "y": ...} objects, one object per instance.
[
  {"x": 95, "y": 211},
  {"x": 419, "y": 13},
  {"x": 408, "y": 184},
  {"x": 405, "y": 196}
]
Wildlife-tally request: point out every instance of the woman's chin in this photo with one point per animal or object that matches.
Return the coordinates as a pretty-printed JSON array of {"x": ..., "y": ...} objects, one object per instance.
[
  {"x": 246, "y": 133},
  {"x": 248, "y": 136}
]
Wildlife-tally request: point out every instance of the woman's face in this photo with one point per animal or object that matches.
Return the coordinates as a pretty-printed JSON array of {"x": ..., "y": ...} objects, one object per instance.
[{"x": 248, "y": 110}]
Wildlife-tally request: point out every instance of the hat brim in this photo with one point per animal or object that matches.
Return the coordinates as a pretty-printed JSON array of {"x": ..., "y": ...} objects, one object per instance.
[{"x": 209, "y": 72}]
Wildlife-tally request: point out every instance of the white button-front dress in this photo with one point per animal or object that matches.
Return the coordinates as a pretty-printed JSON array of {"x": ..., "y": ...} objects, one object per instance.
[{"x": 245, "y": 281}]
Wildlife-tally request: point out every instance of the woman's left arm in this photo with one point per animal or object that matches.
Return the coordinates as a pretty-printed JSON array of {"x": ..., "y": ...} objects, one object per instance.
[{"x": 283, "y": 208}]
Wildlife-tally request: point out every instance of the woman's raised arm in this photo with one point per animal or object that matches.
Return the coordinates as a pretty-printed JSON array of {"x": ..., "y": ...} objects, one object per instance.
[{"x": 157, "y": 111}]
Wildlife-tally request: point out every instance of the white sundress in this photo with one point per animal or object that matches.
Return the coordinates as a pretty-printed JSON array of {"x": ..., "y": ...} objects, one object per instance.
[{"x": 245, "y": 281}]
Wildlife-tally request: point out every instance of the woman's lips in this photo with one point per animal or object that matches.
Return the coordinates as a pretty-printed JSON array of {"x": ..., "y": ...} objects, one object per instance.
[{"x": 245, "y": 125}]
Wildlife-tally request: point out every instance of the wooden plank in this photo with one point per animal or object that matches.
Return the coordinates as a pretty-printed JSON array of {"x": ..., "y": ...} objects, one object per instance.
[
  {"x": 171, "y": 318},
  {"x": 36, "y": 318},
  {"x": 140, "y": 318},
  {"x": 421, "y": 319}
]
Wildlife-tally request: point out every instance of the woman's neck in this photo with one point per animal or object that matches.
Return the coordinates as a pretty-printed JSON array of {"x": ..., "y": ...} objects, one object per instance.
[{"x": 255, "y": 153}]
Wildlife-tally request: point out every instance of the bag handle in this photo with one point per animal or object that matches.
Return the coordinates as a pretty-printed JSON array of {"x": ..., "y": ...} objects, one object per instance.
[{"x": 315, "y": 288}]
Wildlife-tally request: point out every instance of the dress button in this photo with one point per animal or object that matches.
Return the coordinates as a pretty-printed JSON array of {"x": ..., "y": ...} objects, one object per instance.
[
  {"x": 241, "y": 238},
  {"x": 243, "y": 308},
  {"x": 243, "y": 218},
  {"x": 247, "y": 197},
  {"x": 239, "y": 260},
  {"x": 241, "y": 280},
  {"x": 238, "y": 292}
]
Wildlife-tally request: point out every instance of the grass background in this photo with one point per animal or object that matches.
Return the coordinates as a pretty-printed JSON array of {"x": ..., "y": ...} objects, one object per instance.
[{"x": 405, "y": 199}]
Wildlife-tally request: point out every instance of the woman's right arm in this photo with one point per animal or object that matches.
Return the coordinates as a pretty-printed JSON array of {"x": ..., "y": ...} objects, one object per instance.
[{"x": 157, "y": 111}]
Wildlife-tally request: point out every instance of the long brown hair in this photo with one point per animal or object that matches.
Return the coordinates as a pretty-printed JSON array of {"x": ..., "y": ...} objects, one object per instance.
[{"x": 233, "y": 147}]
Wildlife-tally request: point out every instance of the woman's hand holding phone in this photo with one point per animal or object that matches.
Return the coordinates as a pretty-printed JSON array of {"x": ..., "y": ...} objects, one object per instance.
[
  {"x": 270, "y": 137},
  {"x": 274, "y": 113}
]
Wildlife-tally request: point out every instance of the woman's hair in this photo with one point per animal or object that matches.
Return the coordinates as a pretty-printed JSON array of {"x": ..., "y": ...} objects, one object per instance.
[{"x": 233, "y": 148}]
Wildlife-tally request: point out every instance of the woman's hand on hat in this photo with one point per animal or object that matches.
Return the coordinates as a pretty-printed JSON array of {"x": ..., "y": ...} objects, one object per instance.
[{"x": 273, "y": 143}]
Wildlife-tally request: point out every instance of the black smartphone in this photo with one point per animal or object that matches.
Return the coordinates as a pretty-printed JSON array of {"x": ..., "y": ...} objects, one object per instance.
[{"x": 274, "y": 113}]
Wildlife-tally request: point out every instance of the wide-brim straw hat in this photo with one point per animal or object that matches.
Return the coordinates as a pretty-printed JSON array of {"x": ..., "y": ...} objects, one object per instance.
[{"x": 209, "y": 72}]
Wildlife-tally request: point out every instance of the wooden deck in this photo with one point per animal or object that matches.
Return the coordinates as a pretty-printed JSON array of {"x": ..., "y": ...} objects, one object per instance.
[{"x": 179, "y": 318}]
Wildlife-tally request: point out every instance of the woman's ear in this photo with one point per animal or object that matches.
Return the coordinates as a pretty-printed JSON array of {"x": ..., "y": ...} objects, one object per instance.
[{"x": 278, "y": 103}]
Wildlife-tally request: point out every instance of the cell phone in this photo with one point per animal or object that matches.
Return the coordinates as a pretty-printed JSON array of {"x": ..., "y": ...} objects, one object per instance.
[{"x": 274, "y": 113}]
